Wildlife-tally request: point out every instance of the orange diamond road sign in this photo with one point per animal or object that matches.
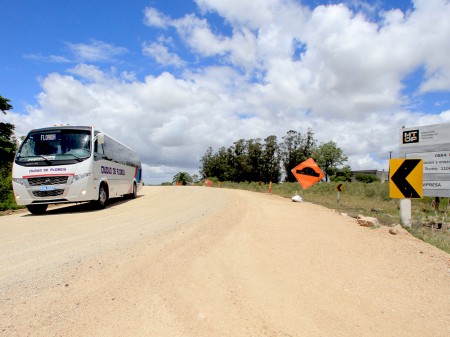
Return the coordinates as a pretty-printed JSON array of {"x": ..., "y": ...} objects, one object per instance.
[{"x": 307, "y": 173}]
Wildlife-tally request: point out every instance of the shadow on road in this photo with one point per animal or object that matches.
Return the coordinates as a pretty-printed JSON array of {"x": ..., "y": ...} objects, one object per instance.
[{"x": 85, "y": 207}]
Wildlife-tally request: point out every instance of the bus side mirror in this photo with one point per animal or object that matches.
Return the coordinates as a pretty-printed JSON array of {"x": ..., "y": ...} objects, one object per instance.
[{"x": 101, "y": 138}]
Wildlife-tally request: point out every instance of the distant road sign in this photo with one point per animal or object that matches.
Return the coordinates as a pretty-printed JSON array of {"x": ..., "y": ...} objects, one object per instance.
[
  {"x": 339, "y": 187},
  {"x": 406, "y": 178},
  {"x": 307, "y": 173}
]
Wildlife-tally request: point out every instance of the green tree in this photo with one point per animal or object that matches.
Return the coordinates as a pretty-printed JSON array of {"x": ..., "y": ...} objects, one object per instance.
[
  {"x": 7, "y": 144},
  {"x": 7, "y": 150},
  {"x": 366, "y": 178},
  {"x": 290, "y": 152},
  {"x": 4, "y": 104},
  {"x": 270, "y": 161},
  {"x": 7, "y": 140},
  {"x": 295, "y": 149},
  {"x": 217, "y": 165},
  {"x": 241, "y": 168},
  {"x": 308, "y": 144},
  {"x": 329, "y": 157},
  {"x": 342, "y": 174},
  {"x": 206, "y": 168},
  {"x": 223, "y": 165},
  {"x": 254, "y": 158},
  {"x": 182, "y": 177}
]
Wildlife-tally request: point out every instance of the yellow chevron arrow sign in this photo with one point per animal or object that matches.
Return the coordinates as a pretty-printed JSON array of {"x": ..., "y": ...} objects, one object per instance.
[{"x": 405, "y": 178}]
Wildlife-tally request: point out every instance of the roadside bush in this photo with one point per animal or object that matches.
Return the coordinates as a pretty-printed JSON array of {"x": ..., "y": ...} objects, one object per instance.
[
  {"x": 6, "y": 194},
  {"x": 366, "y": 178}
]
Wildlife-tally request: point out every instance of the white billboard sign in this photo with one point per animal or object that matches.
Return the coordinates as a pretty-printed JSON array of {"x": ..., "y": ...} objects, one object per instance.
[{"x": 432, "y": 144}]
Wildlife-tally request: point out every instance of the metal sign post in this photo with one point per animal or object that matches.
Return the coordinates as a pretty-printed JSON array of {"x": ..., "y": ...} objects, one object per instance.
[
  {"x": 339, "y": 189},
  {"x": 405, "y": 176}
]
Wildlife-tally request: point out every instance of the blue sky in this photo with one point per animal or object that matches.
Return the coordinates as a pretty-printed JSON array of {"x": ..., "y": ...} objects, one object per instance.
[{"x": 171, "y": 78}]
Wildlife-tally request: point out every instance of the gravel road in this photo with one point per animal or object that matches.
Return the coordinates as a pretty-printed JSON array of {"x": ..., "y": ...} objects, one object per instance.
[{"x": 198, "y": 261}]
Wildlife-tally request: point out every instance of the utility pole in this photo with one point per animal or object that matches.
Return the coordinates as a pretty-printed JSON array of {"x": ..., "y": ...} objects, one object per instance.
[{"x": 389, "y": 167}]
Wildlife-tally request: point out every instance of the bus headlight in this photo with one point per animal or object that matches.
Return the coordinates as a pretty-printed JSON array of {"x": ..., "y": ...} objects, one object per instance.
[
  {"x": 80, "y": 176},
  {"x": 19, "y": 181}
]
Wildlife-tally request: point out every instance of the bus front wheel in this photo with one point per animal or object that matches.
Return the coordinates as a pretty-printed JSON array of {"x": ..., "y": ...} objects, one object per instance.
[
  {"x": 102, "y": 197},
  {"x": 37, "y": 209}
]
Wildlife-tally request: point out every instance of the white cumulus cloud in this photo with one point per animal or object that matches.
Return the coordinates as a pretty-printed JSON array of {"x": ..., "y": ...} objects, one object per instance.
[{"x": 278, "y": 66}]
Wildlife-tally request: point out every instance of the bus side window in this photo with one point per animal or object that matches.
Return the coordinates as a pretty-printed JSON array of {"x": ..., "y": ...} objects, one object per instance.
[{"x": 98, "y": 149}]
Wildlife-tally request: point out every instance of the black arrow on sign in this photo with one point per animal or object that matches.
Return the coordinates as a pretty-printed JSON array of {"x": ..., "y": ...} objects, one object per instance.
[
  {"x": 308, "y": 171},
  {"x": 399, "y": 178}
]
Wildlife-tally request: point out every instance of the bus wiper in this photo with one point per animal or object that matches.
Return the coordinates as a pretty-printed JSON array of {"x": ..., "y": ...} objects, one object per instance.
[
  {"x": 75, "y": 156},
  {"x": 48, "y": 161}
]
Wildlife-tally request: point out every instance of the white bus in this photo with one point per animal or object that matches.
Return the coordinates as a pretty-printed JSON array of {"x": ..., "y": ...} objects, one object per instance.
[{"x": 71, "y": 164}]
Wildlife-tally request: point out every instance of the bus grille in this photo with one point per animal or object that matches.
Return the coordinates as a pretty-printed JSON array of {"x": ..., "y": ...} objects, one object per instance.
[
  {"x": 44, "y": 194},
  {"x": 39, "y": 181}
]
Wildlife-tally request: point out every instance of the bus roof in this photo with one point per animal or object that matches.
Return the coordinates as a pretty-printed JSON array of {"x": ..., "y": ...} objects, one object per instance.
[{"x": 63, "y": 127}]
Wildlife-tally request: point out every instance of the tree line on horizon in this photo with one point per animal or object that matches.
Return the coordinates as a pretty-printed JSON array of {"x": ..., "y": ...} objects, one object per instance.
[{"x": 258, "y": 160}]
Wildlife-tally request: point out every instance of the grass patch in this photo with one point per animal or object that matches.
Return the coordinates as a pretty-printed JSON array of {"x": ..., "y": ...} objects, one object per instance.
[{"x": 369, "y": 200}]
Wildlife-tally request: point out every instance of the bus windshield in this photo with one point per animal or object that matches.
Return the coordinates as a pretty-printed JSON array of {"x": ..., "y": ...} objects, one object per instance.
[{"x": 54, "y": 145}]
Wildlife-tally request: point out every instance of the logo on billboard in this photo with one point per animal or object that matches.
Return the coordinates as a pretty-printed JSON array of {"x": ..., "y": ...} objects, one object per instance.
[{"x": 411, "y": 136}]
